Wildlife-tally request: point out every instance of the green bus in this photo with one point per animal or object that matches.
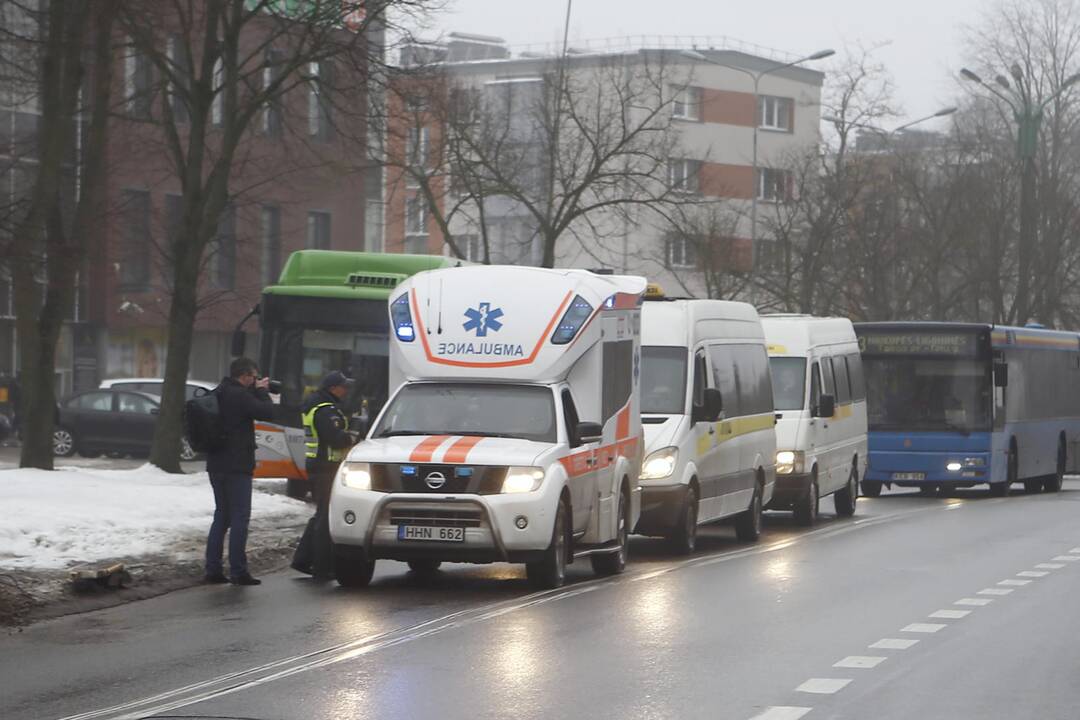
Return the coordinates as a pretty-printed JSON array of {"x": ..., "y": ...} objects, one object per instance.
[{"x": 327, "y": 312}]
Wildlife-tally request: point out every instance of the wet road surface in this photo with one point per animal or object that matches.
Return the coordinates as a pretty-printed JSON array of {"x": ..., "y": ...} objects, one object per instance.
[{"x": 954, "y": 607}]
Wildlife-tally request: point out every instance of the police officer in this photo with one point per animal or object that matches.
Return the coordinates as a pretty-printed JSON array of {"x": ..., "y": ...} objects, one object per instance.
[{"x": 327, "y": 439}]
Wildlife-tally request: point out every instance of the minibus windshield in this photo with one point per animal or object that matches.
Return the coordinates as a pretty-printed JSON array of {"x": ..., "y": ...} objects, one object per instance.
[
  {"x": 663, "y": 380},
  {"x": 788, "y": 382},
  {"x": 514, "y": 411}
]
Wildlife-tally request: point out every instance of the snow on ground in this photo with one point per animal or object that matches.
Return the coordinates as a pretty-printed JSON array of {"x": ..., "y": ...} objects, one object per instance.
[{"x": 78, "y": 515}]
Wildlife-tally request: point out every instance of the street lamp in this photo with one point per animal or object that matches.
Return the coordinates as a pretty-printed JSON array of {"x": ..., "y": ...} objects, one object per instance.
[
  {"x": 841, "y": 122},
  {"x": 756, "y": 77},
  {"x": 1028, "y": 113}
]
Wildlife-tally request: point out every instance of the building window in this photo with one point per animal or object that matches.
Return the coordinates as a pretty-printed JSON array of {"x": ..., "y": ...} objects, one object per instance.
[
  {"x": 319, "y": 83},
  {"x": 772, "y": 185},
  {"x": 416, "y": 155},
  {"x": 415, "y": 216},
  {"x": 180, "y": 64},
  {"x": 471, "y": 246},
  {"x": 272, "y": 118},
  {"x": 683, "y": 175},
  {"x": 223, "y": 252},
  {"x": 416, "y": 245},
  {"x": 138, "y": 79},
  {"x": 137, "y": 243},
  {"x": 318, "y": 230},
  {"x": 680, "y": 251},
  {"x": 686, "y": 104},
  {"x": 270, "y": 263},
  {"x": 775, "y": 113}
]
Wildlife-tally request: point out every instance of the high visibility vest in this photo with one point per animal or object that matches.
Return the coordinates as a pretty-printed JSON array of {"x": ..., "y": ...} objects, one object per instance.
[{"x": 311, "y": 435}]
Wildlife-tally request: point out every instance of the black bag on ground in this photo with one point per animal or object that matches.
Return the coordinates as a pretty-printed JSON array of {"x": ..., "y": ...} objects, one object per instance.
[
  {"x": 203, "y": 422},
  {"x": 304, "y": 557}
]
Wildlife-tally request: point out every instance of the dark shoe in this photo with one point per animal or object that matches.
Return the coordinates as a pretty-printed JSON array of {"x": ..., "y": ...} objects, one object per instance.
[
  {"x": 300, "y": 567},
  {"x": 215, "y": 579},
  {"x": 246, "y": 579}
]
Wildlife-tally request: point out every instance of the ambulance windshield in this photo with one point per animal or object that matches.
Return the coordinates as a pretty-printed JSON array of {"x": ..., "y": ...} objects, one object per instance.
[{"x": 489, "y": 410}]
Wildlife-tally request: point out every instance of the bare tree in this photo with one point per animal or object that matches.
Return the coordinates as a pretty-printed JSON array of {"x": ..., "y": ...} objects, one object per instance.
[{"x": 50, "y": 242}]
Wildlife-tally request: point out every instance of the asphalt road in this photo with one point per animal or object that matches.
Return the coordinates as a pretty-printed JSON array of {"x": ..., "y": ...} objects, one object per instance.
[{"x": 928, "y": 608}]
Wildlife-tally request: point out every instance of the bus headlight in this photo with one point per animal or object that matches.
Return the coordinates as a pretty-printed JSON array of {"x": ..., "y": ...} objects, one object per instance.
[
  {"x": 522, "y": 479},
  {"x": 660, "y": 464},
  {"x": 789, "y": 462},
  {"x": 953, "y": 466},
  {"x": 355, "y": 475}
]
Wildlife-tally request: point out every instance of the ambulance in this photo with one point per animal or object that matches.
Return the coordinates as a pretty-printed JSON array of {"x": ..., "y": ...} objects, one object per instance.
[{"x": 513, "y": 430}]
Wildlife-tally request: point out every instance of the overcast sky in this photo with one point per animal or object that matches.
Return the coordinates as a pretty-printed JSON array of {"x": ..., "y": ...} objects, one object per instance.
[{"x": 921, "y": 40}]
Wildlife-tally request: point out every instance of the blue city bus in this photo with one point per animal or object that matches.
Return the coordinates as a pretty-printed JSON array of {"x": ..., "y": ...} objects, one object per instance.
[{"x": 956, "y": 405}]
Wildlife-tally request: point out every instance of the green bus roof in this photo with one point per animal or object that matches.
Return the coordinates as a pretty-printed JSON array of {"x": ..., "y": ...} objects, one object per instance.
[{"x": 351, "y": 275}]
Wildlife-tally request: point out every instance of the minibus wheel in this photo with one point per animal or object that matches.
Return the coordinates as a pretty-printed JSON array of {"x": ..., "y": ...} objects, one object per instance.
[
  {"x": 806, "y": 508},
  {"x": 871, "y": 488},
  {"x": 844, "y": 499},
  {"x": 683, "y": 537},
  {"x": 551, "y": 571},
  {"x": 748, "y": 522},
  {"x": 352, "y": 569}
]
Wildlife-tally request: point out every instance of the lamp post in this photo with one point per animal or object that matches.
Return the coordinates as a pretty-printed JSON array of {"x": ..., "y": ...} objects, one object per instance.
[
  {"x": 1028, "y": 113},
  {"x": 943, "y": 112},
  {"x": 756, "y": 77}
]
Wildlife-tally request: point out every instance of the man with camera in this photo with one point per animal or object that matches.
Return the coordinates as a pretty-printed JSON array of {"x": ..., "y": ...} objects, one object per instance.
[
  {"x": 242, "y": 399},
  {"x": 328, "y": 439}
]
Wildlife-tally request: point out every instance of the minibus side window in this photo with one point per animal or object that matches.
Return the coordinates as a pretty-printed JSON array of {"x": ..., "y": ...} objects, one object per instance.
[
  {"x": 827, "y": 385},
  {"x": 843, "y": 389},
  {"x": 570, "y": 417},
  {"x": 698, "y": 398},
  {"x": 815, "y": 386},
  {"x": 855, "y": 376}
]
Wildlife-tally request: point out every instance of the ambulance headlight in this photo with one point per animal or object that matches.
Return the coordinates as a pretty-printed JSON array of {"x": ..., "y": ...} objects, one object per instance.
[
  {"x": 660, "y": 464},
  {"x": 522, "y": 479},
  {"x": 789, "y": 461},
  {"x": 355, "y": 475},
  {"x": 401, "y": 318}
]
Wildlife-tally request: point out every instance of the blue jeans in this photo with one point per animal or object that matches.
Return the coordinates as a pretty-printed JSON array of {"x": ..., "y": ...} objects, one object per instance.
[{"x": 232, "y": 510}]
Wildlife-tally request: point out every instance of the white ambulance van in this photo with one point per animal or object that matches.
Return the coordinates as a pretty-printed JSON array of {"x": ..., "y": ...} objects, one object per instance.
[
  {"x": 513, "y": 430},
  {"x": 706, "y": 403},
  {"x": 821, "y": 408}
]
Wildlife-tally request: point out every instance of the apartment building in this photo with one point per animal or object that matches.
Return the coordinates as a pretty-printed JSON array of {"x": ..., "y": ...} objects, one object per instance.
[{"x": 699, "y": 222}]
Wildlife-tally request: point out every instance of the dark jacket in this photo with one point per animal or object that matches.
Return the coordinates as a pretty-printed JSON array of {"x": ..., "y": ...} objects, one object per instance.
[
  {"x": 331, "y": 426},
  {"x": 240, "y": 408}
]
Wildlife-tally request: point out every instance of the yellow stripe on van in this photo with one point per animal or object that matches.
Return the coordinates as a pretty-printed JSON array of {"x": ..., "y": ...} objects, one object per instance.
[
  {"x": 729, "y": 429},
  {"x": 776, "y": 349},
  {"x": 843, "y": 411}
]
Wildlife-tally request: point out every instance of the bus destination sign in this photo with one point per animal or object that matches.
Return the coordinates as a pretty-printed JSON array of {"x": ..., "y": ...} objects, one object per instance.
[{"x": 941, "y": 344}]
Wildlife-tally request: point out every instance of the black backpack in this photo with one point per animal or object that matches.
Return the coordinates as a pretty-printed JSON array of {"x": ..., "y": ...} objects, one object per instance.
[{"x": 203, "y": 422}]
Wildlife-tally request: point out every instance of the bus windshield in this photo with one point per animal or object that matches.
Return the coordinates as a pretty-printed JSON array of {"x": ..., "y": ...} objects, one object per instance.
[
  {"x": 516, "y": 411},
  {"x": 933, "y": 394},
  {"x": 663, "y": 380},
  {"x": 788, "y": 382}
]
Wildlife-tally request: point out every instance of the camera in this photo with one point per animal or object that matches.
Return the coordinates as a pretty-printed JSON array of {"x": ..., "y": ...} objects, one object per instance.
[{"x": 275, "y": 387}]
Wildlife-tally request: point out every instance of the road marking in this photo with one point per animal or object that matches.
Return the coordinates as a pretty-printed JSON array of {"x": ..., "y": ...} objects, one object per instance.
[
  {"x": 1032, "y": 573},
  {"x": 782, "y": 712},
  {"x": 954, "y": 506},
  {"x": 1050, "y": 566},
  {"x": 1017, "y": 583},
  {"x": 994, "y": 591},
  {"x": 950, "y": 614},
  {"x": 893, "y": 644},
  {"x": 1067, "y": 558},
  {"x": 864, "y": 662},
  {"x": 923, "y": 627},
  {"x": 823, "y": 686},
  {"x": 977, "y": 602}
]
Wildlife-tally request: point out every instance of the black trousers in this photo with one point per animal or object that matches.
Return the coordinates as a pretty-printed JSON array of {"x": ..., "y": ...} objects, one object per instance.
[{"x": 322, "y": 549}]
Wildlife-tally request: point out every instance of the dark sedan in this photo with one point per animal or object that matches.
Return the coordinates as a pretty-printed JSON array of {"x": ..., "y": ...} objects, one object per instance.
[{"x": 116, "y": 422}]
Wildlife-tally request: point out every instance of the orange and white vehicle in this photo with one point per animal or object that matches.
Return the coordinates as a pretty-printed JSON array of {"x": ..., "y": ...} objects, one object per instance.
[{"x": 513, "y": 430}]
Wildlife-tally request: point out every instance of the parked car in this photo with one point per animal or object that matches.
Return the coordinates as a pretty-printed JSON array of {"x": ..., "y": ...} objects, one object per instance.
[
  {"x": 109, "y": 421},
  {"x": 152, "y": 386}
]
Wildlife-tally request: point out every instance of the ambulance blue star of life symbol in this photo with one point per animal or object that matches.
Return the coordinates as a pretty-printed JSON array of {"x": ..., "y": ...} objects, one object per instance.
[{"x": 483, "y": 318}]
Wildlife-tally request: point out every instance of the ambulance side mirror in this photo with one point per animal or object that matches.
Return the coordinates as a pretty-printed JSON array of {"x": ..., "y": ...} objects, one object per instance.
[{"x": 590, "y": 432}]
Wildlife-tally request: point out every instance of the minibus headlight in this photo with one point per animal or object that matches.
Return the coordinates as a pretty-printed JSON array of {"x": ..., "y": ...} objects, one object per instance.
[
  {"x": 789, "y": 462},
  {"x": 355, "y": 475},
  {"x": 660, "y": 464},
  {"x": 522, "y": 479}
]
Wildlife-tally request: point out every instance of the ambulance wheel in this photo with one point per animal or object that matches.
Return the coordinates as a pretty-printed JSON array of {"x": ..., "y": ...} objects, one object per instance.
[
  {"x": 871, "y": 488},
  {"x": 297, "y": 489},
  {"x": 351, "y": 568},
  {"x": 683, "y": 538},
  {"x": 806, "y": 508},
  {"x": 424, "y": 567},
  {"x": 613, "y": 563},
  {"x": 844, "y": 499},
  {"x": 748, "y": 522},
  {"x": 550, "y": 572}
]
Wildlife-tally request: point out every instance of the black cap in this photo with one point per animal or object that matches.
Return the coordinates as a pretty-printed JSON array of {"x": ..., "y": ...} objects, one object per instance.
[{"x": 334, "y": 379}]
